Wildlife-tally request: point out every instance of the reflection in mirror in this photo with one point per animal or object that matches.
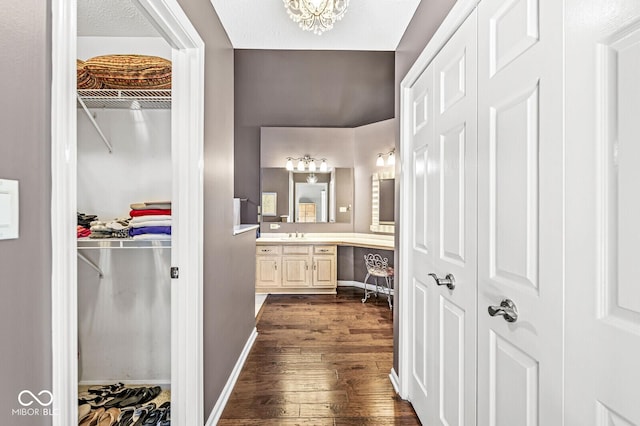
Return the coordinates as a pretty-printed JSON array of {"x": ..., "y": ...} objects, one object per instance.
[
  {"x": 311, "y": 197},
  {"x": 300, "y": 193},
  {"x": 387, "y": 205},
  {"x": 311, "y": 202},
  {"x": 382, "y": 204}
]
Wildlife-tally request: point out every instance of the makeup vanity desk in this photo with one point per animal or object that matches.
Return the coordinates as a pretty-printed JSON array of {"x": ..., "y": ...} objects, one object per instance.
[{"x": 306, "y": 264}]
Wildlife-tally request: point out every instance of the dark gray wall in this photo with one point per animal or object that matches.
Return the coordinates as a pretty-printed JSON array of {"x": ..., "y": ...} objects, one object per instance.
[
  {"x": 305, "y": 89},
  {"x": 228, "y": 283},
  {"x": 423, "y": 25},
  {"x": 25, "y": 155}
]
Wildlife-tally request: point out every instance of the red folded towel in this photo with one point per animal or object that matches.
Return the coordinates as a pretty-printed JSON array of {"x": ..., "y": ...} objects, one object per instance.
[{"x": 149, "y": 212}]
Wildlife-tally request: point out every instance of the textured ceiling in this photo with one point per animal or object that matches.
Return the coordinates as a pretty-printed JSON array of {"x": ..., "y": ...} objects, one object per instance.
[
  {"x": 264, "y": 24},
  {"x": 112, "y": 18}
]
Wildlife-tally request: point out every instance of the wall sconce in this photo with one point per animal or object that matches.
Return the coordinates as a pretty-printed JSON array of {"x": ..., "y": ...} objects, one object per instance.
[
  {"x": 391, "y": 158},
  {"x": 307, "y": 162}
]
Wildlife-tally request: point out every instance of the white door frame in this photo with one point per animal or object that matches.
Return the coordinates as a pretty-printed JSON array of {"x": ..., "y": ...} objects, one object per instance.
[
  {"x": 187, "y": 123},
  {"x": 458, "y": 14}
]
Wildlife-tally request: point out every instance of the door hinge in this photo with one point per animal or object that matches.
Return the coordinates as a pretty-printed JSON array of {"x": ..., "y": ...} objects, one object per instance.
[{"x": 175, "y": 272}]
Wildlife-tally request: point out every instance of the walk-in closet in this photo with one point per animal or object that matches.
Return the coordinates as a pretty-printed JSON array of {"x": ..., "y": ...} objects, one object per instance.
[{"x": 124, "y": 193}]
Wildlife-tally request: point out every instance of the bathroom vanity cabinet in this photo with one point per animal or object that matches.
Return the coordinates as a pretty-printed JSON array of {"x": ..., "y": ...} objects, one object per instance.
[{"x": 296, "y": 268}]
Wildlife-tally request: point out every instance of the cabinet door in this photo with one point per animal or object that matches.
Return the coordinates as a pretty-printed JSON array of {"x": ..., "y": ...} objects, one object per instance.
[
  {"x": 296, "y": 271},
  {"x": 324, "y": 271},
  {"x": 267, "y": 271}
]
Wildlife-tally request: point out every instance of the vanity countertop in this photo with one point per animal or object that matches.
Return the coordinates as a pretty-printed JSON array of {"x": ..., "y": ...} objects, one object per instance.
[
  {"x": 241, "y": 229},
  {"x": 385, "y": 242}
]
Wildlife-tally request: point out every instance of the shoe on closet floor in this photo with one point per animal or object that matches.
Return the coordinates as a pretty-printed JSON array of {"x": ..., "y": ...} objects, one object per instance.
[
  {"x": 106, "y": 389},
  {"x": 140, "y": 414},
  {"x": 165, "y": 418},
  {"x": 109, "y": 417},
  {"x": 124, "y": 419},
  {"x": 91, "y": 419},
  {"x": 83, "y": 410}
]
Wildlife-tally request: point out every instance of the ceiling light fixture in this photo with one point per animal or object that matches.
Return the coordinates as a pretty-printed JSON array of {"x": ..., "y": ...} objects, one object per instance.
[
  {"x": 307, "y": 162},
  {"x": 316, "y": 15},
  {"x": 391, "y": 158}
]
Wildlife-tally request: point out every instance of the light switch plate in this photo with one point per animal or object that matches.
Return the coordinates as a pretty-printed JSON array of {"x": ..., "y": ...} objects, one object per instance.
[
  {"x": 9, "y": 213},
  {"x": 343, "y": 209}
]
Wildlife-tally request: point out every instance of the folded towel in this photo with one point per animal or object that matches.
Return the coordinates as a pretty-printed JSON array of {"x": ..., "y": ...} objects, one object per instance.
[
  {"x": 150, "y": 230},
  {"x": 152, "y": 237},
  {"x": 151, "y": 223},
  {"x": 148, "y": 212},
  {"x": 151, "y": 205},
  {"x": 160, "y": 217}
]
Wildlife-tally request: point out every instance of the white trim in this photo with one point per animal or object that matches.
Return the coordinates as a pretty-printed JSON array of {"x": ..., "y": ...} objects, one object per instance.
[
  {"x": 395, "y": 381},
  {"x": 64, "y": 299},
  {"x": 187, "y": 128},
  {"x": 231, "y": 382},
  {"x": 457, "y": 15}
]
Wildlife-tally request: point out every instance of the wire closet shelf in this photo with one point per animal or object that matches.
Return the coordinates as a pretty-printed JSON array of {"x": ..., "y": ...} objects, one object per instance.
[{"x": 125, "y": 99}]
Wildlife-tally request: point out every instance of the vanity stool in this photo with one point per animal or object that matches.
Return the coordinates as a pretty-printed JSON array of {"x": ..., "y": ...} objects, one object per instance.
[{"x": 378, "y": 267}]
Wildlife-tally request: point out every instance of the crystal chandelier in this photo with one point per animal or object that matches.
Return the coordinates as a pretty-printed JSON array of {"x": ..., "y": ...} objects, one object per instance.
[{"x": 316, "y": 15}]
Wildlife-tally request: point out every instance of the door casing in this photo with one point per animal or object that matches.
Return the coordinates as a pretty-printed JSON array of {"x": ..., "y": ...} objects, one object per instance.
[{"x": 187, "y": 139}]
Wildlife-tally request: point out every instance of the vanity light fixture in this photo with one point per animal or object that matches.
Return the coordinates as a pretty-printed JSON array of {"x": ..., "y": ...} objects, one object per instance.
[
  {"x": 316, "y": 15},
  {"x": 307, "y": 162},
  {"x": 391, "y": 158},
  {"x": 312, "y": 178}
]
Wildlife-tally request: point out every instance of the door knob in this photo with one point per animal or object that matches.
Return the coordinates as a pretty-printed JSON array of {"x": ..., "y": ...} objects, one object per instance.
[
  {"x": 448, "y": 280},
  {"x": 507, "y": 309}
]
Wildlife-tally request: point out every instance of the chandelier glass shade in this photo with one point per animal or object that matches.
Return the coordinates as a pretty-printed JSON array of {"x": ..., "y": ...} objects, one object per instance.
[{"x": 316, "y": 15}]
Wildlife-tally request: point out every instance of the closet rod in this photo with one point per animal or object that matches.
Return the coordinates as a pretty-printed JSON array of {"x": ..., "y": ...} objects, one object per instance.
[
  {"x": 95, "y": 124},
  {"x": 90, "y": 263}
]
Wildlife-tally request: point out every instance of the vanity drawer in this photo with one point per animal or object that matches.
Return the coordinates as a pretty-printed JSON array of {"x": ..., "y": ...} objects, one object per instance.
[
  {"x": 324, "y": 249},
  {"x": 268, "y": 250},
  {"x": 295, "y": 249}
]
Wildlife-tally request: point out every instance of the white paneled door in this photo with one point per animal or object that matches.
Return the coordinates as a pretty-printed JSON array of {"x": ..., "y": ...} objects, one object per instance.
[
  {"x": 603, "y": 213},
  {"x": 444, "y": 242},
  {"x": 422, "y": 382},
  {"x": 520, "y": 212}
]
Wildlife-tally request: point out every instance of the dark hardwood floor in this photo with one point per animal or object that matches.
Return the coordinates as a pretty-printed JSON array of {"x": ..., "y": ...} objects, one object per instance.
[{"x": 320, "y": 360}]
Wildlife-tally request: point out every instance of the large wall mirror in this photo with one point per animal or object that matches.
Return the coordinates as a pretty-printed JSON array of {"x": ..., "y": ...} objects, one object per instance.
[
  {"x": 383, "y": 203},
  {"x": 304, "y": 197}
]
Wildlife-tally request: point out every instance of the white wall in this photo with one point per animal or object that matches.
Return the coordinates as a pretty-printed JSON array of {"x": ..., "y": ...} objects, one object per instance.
[
  {"x": 88, "y": 47},
  {"x": 124, "y": 318}
]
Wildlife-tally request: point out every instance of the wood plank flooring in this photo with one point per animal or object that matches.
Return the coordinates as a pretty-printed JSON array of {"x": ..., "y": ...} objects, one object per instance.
[{"x": 320, "y": 360}]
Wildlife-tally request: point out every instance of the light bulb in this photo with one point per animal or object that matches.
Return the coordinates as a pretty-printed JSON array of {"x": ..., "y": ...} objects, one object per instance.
[
  {"x": 300, "y": 166},
  {"x": 380, "y": 161},
  {"x": 323, "y": 166},
  {"x": 312, "y": 166},
  {"x": 391, "y": 160},
  {"x": 289, "y": 165}
]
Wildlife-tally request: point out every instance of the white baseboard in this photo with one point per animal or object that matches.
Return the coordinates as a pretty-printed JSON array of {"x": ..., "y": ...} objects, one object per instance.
[
  {"x": 231, "y": 382},
  {"x": 395, "y": 381},
  {"x": 163, "y": 383},
  {"x": 358, "y": 284}
]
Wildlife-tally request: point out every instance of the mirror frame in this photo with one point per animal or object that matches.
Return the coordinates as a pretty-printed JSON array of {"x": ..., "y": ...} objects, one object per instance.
[{"x": 376, "y": 226}]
